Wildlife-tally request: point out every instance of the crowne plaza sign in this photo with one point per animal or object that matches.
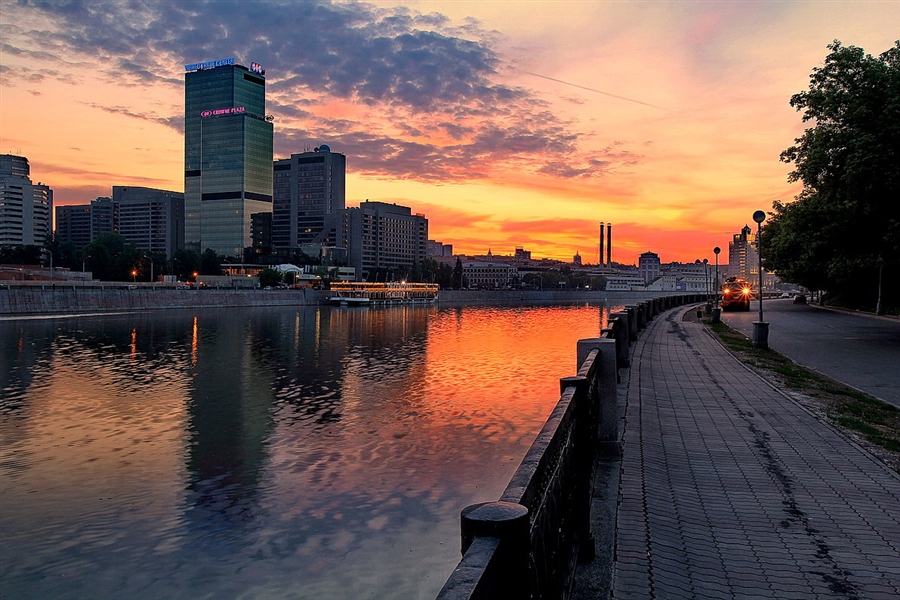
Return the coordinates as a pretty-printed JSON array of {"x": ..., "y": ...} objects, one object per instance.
[{"x": 223, "y": 111}]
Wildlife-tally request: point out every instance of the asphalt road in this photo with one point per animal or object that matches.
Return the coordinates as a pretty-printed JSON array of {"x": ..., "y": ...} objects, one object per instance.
[{"x": 861, "y": 351}]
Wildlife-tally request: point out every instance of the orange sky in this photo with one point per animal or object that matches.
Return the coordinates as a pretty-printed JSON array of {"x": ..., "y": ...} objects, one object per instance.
[{"x": 507, "y": 123}]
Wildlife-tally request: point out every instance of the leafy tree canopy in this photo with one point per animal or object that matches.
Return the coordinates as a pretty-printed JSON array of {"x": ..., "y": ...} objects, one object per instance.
[{"x": 845, "y": 224}]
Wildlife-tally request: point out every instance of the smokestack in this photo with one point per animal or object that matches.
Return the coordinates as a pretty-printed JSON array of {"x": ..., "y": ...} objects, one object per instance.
[
  {"x": 600, "y": 260},
  {"x": 609, "y": 244}
]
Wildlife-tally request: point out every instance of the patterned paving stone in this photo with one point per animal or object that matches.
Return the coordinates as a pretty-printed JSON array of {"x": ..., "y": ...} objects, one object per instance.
[{"x": 729, "y": 489}]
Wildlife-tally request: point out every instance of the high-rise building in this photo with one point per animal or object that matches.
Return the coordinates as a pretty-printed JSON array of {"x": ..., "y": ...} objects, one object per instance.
[
  {"x": 378, "y": 235},
  {"x": 26, "y": 208},
  {"x": 309, "y": 188},
  {"x": 152, "y": 220},
  {"x": 743, "y": 260},
  {"x": 73, "y": 225},
  {"x": 227, "y": 154}
]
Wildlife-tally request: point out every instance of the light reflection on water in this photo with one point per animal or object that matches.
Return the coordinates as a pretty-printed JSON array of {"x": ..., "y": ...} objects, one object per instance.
[{"x": 264, "y": 453}]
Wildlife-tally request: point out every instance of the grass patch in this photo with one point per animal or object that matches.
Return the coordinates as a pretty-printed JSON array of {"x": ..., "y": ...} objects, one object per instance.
[{"x": 873, "y": 423}]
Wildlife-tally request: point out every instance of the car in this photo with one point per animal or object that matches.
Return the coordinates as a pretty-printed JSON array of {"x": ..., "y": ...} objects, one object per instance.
[
  {"x": 785, "y": 295},
  {"x": 800, "y": 299}
]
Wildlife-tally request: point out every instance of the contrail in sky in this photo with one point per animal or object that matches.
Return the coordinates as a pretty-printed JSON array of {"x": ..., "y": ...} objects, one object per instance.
[{"x": 593, "y": 90}]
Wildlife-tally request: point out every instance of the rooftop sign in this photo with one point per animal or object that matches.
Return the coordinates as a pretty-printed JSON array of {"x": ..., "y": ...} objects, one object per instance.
[
  {"x": 210, "y": 64},
  {"x": 257, "y": 68}
]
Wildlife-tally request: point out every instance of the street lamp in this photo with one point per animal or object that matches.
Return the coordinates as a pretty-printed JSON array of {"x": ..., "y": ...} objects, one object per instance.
[
  {"x": 717, "y": 312},
  {"x": 760, "y": 327},
  {"x": 708, "y": 308},
  {"x": 150, "y": 258},
  {"x": 134, "y": 275}
]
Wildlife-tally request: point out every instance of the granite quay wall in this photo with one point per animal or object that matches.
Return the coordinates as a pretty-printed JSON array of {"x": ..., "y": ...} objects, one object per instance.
[
  {"x": 527, "y": 544},
  {"x": 94, "y": 297},
  {"x": 74, "y": 299}
]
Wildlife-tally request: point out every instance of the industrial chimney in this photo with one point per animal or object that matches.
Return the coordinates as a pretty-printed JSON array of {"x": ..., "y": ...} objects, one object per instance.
[
  {"x": 600, "y": 259},
  {"x": 609, "y": 244}
]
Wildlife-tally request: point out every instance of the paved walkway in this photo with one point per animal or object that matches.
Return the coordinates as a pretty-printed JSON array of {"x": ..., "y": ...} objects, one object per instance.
[{"x": 731, "y": 490}]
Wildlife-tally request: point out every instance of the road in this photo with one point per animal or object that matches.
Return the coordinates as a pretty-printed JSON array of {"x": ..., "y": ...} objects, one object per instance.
[{"x": 859, "y": 350}]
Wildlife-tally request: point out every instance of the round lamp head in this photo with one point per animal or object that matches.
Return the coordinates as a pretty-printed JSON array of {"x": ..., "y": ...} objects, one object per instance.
[
  {"x": 717, "y": 250},
  {"x": 759, "y": 216}
]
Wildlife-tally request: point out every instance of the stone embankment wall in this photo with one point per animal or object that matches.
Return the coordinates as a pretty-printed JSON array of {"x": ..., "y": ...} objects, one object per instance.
[
  {"x": 60, "y": 299},
  {"x": 76, "y": 299}
]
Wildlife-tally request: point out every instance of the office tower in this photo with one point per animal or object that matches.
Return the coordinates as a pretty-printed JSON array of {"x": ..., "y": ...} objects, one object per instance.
[
  {"x": 73, "y": 225},
  {"x": 151, "y": 220},
  {"x": 227, "y": 155},
  {"x": 378, "y": 235},
  {"x": 26, "y": 208},
  {"x": 104, "y": 216},
  {"x": 309, "y": 188},
  {"x": 743, "y": 259}
]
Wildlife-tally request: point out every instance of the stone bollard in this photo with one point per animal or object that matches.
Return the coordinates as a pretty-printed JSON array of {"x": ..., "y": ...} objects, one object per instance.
[
  {"x": 632, "y": 322},
  {"x": 623, "y": 339},
  {"x": 608, "y": 402},
  {"x": 508, "y": 522},
  {"x": 717, "y": 315}
]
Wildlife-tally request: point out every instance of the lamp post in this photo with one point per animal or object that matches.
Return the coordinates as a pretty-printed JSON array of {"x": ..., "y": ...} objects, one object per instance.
[
  {"x": 150, "y": 258},
  {"x": 708, "y": 308},
  {"x": 760, "y": 327},
  {"x": 717, "y": 312},
  {"x": 134, "y": 276}
]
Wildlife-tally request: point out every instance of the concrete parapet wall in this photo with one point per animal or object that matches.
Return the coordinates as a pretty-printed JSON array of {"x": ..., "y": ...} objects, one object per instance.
[
  {"x": 62, "y": 299},
  {"x": 50, "y": 299}
]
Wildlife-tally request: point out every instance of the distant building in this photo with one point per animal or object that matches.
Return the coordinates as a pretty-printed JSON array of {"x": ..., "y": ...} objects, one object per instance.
[
  {"x": 308, "y": 190},
  {"x": 227, "y": 154},
  {"x": 26, "y": 208},
  {"x": 73, "y": 225},
  {"x": 260, "y": 237},
  {"x": 649, "y": 266},
  {"x": 151, "y": 220},
  {"x": 437, "y": 249},
  {"x": 378, "y": 235},
  {"x": 488, "y": 275},
  {"x": 104, "y": 216},
  {"x": 576, "y": 260},
  {"x": 743, "y": 259}
]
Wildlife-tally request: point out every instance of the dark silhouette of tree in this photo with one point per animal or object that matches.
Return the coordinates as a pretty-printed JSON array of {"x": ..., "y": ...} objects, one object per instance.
[
  {"x": 845, "y": 225},
  {"x": 112, "y": 258},
  {"x": 210, "y": 263},
  {"x": 28, "y": 254}
]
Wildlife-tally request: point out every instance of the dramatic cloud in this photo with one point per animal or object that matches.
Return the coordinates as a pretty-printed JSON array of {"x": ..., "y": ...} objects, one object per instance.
[{"x": 424, "y": 93}]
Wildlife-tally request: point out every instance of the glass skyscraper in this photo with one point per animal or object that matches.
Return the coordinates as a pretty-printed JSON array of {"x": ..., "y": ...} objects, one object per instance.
[{"x": 227, "y": 155}]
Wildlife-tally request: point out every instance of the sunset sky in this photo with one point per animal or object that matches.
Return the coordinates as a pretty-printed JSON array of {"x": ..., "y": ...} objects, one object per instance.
[{"x": 507, "y": 122}]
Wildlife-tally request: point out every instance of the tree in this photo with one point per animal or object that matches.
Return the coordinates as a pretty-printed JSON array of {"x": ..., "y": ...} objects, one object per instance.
[
  {"x": 458, "y": 282},
  {"x": 112, "y": 258},
  {"x": 845, "y": 224},
  {"x": 210, "y": 263},
  {"x": 269, "y": 278},
  {"x": 185, "y": 263}
]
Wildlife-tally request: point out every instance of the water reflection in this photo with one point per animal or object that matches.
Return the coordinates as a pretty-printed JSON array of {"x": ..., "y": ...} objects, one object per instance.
[{"x": 264, "y": 453}]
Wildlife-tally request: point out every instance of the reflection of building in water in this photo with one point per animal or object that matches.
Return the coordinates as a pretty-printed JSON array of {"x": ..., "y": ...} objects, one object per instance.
[{"x": 229, "y": 421}]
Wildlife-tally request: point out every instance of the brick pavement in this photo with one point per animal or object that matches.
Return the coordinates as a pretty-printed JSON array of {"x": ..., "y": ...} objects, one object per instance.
[{"x": 729, "y": 489}]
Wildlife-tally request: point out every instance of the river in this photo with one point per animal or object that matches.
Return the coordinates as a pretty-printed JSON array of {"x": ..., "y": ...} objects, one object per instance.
[{"x": 308, "y": 452}]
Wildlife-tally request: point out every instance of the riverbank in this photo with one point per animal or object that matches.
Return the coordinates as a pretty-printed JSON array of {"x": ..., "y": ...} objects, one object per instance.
[{"x": 75, "y": 299}]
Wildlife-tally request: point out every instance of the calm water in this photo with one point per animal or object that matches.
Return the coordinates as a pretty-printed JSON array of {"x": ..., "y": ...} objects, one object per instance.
[{"x": 264, "y": 453}]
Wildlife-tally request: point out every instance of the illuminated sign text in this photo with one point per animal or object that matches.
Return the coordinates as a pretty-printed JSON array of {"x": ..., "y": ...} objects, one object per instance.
[
  {"x": 257, "y": 68},
  {"x": 223, "y": 111},
  {"x": 210, "y": 64}
]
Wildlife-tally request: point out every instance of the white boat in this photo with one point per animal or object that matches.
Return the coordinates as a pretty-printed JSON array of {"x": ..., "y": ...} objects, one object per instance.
[{"x": 349, "y": 293}]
